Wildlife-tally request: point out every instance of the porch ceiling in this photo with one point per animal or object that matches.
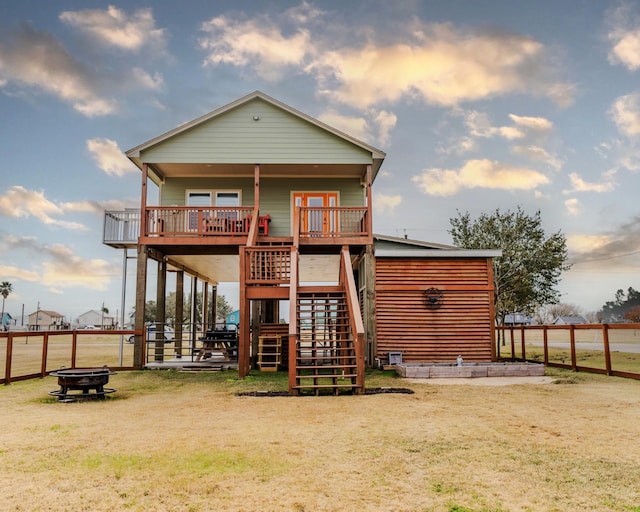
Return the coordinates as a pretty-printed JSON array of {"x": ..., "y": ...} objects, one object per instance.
[
  {"x": 184, "y": 170},
  {"x": 219, "y": 268}
]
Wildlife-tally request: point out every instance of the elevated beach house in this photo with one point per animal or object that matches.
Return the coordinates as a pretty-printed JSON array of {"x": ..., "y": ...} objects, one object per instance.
[{"x": 259, "y": 193}]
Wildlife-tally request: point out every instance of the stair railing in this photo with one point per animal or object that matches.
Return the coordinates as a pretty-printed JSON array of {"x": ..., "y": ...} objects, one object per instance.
[{"x": 357, "y": 325}]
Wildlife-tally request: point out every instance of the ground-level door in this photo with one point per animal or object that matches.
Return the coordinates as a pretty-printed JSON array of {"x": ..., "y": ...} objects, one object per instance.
[{"x": 316, "y": 221}]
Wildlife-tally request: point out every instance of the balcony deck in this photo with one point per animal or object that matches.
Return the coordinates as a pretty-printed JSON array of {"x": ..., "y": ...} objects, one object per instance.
[{"x": 198, "y": 226}]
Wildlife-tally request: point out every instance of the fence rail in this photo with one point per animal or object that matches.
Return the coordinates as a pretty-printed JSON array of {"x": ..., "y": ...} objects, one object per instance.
[
  {"x": 33, "y": 354},
  {"x": 609, "y": 349}
]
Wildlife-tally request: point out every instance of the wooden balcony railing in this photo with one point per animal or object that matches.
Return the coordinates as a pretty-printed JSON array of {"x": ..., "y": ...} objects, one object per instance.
[
  {"x": 312, "y": 225},
  {"x": 333, "y": 222},
  {"x": 269, "y": 265},
  {"x": 179, "y": 221},
  {"x": 121, "y": 227}
]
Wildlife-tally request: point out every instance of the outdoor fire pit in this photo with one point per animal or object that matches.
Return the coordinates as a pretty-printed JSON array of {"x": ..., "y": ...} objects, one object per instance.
[{"x": 83, "y": 381}]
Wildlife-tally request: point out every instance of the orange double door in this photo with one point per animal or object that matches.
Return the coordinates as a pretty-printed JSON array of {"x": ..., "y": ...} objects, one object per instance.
[{"x": 320, "y": 220}]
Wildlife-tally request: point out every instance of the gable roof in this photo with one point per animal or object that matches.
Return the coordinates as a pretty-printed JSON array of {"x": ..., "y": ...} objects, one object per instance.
[
  {"x": 134, "y": 154},
  {"x": 394, "y": 247},
  {"x": 47, "y": 312},
  {"x": 568, "y": 319}
]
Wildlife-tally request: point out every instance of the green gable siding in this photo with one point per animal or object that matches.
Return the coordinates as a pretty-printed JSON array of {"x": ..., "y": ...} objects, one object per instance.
[
  {"x": 277, "y": 137},
  {"x": 174, "y": 190},
  {"x": 275, "y": 194},
  {"x": 275, "y": 198}
]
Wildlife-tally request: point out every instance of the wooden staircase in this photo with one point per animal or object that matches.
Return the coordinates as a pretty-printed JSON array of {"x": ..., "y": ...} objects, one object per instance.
[{"x": 325, "y": 353}]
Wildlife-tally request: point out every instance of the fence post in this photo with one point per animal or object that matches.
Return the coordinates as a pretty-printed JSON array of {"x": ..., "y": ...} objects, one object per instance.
[
  {"x": 513, "y": 344},
  {"x": 572, "y": 339},
  {"x": 45, "y": 349},
  {"x": 607, "y": 351},
  {"x": 545, "y": 342},
  {"x": 74, "y": 348},
  {"x": 524, "y": 355},
  {"x": 8, "y": 356}
]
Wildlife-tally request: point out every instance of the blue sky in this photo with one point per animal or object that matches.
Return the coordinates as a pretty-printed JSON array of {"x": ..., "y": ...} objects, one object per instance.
[{"x": 478, "y": 104}]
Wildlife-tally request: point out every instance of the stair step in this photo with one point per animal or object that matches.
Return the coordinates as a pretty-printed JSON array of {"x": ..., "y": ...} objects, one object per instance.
[{"x": 325, "y": 386}]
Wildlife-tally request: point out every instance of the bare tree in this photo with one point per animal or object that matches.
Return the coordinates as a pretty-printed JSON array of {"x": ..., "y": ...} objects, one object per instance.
[{"x": 547, "y": 314}]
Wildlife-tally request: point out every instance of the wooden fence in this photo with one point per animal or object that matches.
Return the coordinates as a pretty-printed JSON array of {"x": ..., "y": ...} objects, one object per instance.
[
  {"x": 609, "y": 349},
  {"x": 33, "y": 354}
]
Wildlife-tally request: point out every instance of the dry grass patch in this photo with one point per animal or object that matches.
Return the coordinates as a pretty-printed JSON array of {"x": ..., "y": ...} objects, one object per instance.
[{"x": 187, "y": 442}]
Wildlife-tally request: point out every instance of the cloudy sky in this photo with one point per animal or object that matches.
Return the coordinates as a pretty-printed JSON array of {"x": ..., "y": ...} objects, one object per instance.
[{"x": 479, "y": 104}]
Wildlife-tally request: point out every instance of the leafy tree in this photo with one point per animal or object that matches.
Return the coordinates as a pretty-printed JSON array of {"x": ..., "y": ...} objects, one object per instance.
[
  {"x": 633, "y": 314},
  {"x": 5, "y": 289},
  {"x": 149, "y": 311},
  {"x": 223, "y": 308},
  {"x": 615, "y": 310},
  {"x": 527, "y": 273}
]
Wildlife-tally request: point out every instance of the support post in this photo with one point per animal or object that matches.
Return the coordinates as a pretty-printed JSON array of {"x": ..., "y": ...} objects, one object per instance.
[
  {"x": 179, "y": 312},
  {"x": 141, "y": 294},
  {"x": 161, "y": 314}
]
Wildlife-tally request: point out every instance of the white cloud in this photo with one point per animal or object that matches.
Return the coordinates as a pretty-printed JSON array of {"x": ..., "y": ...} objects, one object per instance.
[
  {"x": 625, "y": 113},
  {"x": 61, "y": 267},
  {"x": 579, "y": 185},
  {"x": 538, "y": 154},
  {"x": 147, "y": 81},
  {"x": 258, "y": 42},
  {"x": 113, "y": 27},
  {"x": 443, "y": 66},
  {"x": 386, "y": 204},
  {"x": 37, "y": 60},
  {"x": 478, "y": 174},
  {"x": 18, "y": 202},
  {"x": 437, "y": 63},
  {"x": 624, "y": 36},
  {"x": 385, "y": 122},
  {"x": 535, "y": 124},
  {"x": 98, "y": 207},
  {"x": 67, "y": 270},
  {"x": 355, "y": 126},
  {"x": 573, "y": 206},
  {"x": 11, "y": 272},
  {"x": 583, "y": 243},
  {"x": 479, "y": 125},
  {"x": 109, "y": 158}
]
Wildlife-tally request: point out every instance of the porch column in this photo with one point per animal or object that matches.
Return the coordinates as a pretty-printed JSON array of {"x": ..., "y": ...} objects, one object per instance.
[
  {"x": 161, "y": 314},
  {"x": 370, "y": 303},
  {"x": 369, "y": 206},
  {"x": 143, "y": 201},
  {"x": 256, "y": 320},
  {"x": 141, "y": 294},
  {"x": 214, "y": 304},
  {"x": 194, "y": 310},
  {"x": 244, "y": 331},
  {"x": 205, "y": 305},
  {"x": 179, "y": 312}
]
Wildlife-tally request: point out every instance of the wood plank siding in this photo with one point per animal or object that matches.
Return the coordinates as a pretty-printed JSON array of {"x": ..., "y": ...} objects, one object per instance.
[
  {"x": 461, "y": 325},
  {"x": 277, "y": 137}
]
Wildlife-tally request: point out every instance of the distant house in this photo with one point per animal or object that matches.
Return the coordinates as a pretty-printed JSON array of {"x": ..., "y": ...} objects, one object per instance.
[
  {"x": 233, "y": 317},
  {"x": 570, "y": 320},
  {"x": 97, "y": 319},
  {"x": 43, "y": 320},
  {"x": 6, "y": 321},
  {"x": 517, "y": 319}
]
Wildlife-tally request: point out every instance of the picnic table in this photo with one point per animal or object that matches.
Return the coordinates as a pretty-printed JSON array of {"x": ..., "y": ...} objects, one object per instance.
[{"x": 223, "y": 340}]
